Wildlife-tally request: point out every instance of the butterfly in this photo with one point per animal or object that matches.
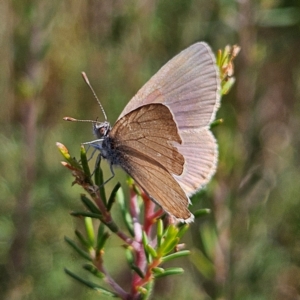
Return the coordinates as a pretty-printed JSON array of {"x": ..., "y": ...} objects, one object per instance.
[{"x": 162, "y": 138}]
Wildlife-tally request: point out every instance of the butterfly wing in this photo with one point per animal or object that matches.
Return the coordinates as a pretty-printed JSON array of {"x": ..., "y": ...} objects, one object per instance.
[
  {"x": 145, "y": 143},
  {"x": 189, "y": 85},
  {"x": 160, "y": 186},
  {"x": 200, "y": 151},
  {"x": 151, "y": 132}
]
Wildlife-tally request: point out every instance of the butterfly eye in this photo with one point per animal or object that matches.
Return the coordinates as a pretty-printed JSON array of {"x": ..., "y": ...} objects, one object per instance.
[{"x": 102, "y": 131}]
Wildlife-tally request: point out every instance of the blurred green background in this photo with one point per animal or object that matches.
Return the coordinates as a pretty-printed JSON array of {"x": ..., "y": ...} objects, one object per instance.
[{"x": 249, "y": 247}]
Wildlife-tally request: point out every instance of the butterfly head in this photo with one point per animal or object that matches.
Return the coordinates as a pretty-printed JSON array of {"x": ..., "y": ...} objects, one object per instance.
[{"x": 101, "y": 129}]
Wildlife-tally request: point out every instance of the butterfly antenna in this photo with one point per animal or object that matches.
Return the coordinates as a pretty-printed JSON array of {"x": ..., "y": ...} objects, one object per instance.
[
  {"x": 76, "y": 120},
  {"x": 88, "y": 83}
]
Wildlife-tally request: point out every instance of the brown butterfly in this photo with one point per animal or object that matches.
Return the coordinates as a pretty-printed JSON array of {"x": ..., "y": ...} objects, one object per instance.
[{"x": 162, "y": 139}]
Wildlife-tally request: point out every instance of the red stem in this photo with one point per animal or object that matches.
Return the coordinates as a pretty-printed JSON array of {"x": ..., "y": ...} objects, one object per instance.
[{"x": 148, "y": 215}]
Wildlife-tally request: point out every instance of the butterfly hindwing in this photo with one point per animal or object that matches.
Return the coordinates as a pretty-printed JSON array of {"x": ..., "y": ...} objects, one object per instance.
[{"x": 159, "y": 185}]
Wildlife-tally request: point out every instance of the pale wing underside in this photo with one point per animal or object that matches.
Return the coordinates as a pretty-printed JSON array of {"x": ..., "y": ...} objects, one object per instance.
[
  {"x": 199, "y": 149},
  {"x": 188, "y": 84}
]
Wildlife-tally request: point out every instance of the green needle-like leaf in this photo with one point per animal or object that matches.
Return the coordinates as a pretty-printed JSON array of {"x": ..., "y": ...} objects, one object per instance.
[
  {"x": 160, "y": 229},
  {"x": 84, "y": 162},
  {"x": 91, "y": 285},
  {"x": 92, "y": 269},
  {"x": 129, "y": 256},
  {"x": 151, "y": 251},
  {"x": 202, "y": 212},
  {"x": 100, "y": 234},
  {"x": 82, "y": 239},
  {"x": 89, "y": 228},
  {"x": 176, "y": 255},
  {"x": 145, "y": 244},
  {"x": 112, "y": 196},
  {"x": 112, "y": 226},
  {"x": 144, "y": 239},
  {"x": 125, "y": 212},
  {"x": 170, "y": 271},
  {"x": 90, "y": 205},
  {"x": 85, "y": 214},
  {"x": 137, "y": 270},
  {"x": 228, "y": 85},
  {"x": 182, "y": 230},
  {"x": 81, "y": 252},
  {"x": 102, "y": 241},
  {"x": 99, "y": 180},
  {"x": 216, "y": 123},
  {"x": 168, "y": 246},
  {"x": 171, "y": 232},
  {"x": 158, "y": 270},
  {"x": 65, "y": 153}
]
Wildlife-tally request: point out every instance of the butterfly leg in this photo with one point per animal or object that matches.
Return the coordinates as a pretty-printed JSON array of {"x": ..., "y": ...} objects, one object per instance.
[
  {"x": 111, "y": 177},
  {"x": 111, "y": 169},
  {"x": 98, "y": 160},
  {"x": 92, "y": 155}
]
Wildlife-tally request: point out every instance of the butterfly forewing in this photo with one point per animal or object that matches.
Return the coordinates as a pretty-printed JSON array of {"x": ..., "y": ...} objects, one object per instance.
[
  {"x": 149, "y": 131},
  {"x": 145, "y": 139}
]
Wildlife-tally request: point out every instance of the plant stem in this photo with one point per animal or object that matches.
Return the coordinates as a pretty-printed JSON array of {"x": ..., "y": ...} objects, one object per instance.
[{"x": 109, "y": 280}]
